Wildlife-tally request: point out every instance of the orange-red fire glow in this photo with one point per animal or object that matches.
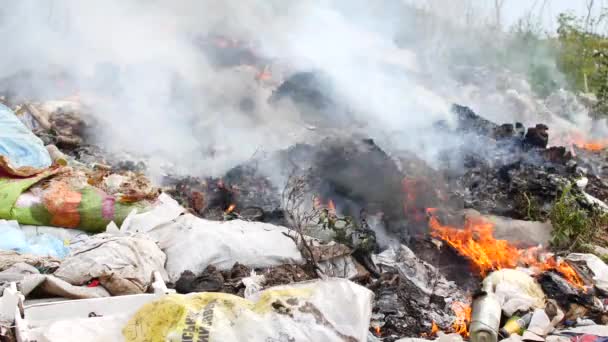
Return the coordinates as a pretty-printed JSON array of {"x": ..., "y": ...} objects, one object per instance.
[
  {"x": 331, "y": 207},
  {"x": 476, "y": 242},
  {"x": 579, "y": 140},
  {"x": 318, "y": 203},
  {"x": 594, "y": 145},
  {"x": 434, "y": 329},
  {"x": 230, "y": 208},
  {"x": 463, "y": 318}
]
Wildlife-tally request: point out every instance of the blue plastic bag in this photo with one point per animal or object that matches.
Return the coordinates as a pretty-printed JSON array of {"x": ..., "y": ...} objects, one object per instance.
[
  {"x": 21, "y": 152},
  {"x": 14, "y": 239}
]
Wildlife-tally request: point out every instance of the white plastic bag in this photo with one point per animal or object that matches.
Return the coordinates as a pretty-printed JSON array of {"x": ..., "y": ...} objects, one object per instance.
[
  {"x": 516, "y": 291},
  {"x": 192, "y": 243}
]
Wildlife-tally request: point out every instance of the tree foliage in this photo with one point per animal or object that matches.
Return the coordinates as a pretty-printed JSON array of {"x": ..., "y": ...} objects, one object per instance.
[{"x": 582, "y": 55}]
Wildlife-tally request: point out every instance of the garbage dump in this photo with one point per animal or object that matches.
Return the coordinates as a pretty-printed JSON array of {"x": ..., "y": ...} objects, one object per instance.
[{"x": 312, "y": 176}]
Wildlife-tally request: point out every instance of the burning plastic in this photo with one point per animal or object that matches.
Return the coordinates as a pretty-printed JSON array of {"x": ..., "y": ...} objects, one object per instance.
[
  {"x": 476, "y": 242},
  {"x": 463, "y": 318}
]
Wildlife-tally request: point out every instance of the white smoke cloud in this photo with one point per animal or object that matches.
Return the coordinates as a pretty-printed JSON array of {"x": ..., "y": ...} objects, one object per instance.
[{"x": 136, "y": 65}]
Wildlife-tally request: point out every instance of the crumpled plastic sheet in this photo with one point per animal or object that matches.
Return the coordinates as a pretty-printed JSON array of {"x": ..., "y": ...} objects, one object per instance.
[
  {"x": 596, "y": 265},
  {"x": 516, "y": 290}
]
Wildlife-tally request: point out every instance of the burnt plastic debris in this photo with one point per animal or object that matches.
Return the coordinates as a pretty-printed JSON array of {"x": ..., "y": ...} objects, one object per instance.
[{"x": 211, "y": 280}]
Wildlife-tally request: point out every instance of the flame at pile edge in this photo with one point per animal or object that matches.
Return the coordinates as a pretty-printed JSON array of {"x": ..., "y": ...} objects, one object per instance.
[{"x": 476, "y": 242}]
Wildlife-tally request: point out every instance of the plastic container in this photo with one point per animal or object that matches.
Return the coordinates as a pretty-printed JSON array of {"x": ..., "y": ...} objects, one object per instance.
[{"x": 485, "y": 320}]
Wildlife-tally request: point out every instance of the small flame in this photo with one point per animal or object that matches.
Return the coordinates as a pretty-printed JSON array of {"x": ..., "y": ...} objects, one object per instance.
[
  {"x": 264, "y": 74},
  {"x": 331, "y": 207},
  {"x": 434, "y": 329},
  {"x": 230, "y": 208},
  {"x": 378, "y": 331},
  {"x": 463, "y": 318},
  {"x": 317, "y": 203},
  {"x": 476, "y": 242},
  {"x": 579, "y": 140}
]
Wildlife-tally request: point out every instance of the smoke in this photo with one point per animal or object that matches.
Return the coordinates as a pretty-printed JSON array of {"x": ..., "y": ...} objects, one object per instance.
[{"x": 139, "y": 67}]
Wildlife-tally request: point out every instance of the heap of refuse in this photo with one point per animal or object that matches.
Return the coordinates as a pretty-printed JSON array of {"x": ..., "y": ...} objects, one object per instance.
[{"x": 92, "y": 247}]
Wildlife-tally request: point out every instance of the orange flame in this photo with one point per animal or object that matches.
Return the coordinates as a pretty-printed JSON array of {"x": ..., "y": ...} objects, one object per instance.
[
  {"x": 434, "y": 329},
  {"x": 579, "y": 140},
  {"x": 594, "y": 145},
  {"x": 476, "y": 242},
  {"x": 463, "y": 318},
  {"x": 317, "y": 203},
  {"x": 264, "y": 74},
  {"x": 378, "y": 331},
  {"x": 230, "y": 208},
  {"x": 331, "y": 207}
]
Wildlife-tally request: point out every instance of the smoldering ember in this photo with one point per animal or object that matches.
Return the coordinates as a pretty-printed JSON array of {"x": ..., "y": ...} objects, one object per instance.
[{"x": 303, "y": 171}]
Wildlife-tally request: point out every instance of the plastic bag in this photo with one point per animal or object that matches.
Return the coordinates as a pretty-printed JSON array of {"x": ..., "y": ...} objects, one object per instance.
[
  {"x": 21, "y": 152},
  {"x": 516, "y": 291},
  {"x": 323, "y": 310},
  {"x": 192, "y": 243},
  {"x": 15, "y": 239}
]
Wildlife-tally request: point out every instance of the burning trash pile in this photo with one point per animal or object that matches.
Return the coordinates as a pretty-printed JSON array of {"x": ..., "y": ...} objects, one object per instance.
[
  {"x": 410, "y": 252},
  {"x": 503, "y": 239}
]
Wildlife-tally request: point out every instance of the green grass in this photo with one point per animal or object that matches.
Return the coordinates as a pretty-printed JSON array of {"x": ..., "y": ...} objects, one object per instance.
[{"x": 575, "y": 227}]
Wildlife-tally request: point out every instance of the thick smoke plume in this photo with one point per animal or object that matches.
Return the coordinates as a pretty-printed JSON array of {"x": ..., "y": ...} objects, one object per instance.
[{"x": 139, "y": 67}]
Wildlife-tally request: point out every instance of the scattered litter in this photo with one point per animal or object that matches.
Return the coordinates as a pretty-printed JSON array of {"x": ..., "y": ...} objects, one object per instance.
[
  {"x": 516, "y": 325},
  {"x": 361, "y": 244},
  {"x": 539, "y": 326}
]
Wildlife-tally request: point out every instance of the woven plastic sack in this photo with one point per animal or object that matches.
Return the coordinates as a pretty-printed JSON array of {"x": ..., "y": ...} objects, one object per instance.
[{"x": 324, "y": 310}]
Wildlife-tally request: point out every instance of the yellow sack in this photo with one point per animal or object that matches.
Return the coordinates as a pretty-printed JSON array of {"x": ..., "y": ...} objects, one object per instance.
[{"x": 329, "y": 310}]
